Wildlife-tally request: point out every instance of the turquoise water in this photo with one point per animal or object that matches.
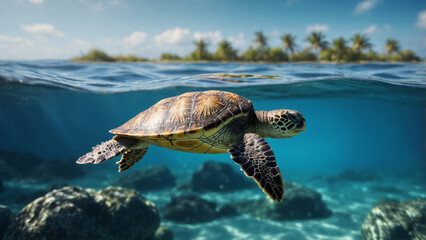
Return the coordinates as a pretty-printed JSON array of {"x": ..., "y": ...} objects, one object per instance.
[{"x": 368, "y": 117}]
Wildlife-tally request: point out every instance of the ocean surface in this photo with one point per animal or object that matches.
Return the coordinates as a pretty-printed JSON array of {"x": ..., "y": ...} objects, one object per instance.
[{"x": 369, "y": 118}]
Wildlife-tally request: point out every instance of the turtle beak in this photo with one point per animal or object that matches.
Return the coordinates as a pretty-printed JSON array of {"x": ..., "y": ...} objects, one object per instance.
[
  {"x": 298, "y": 120},
  {"x": 302, "y": 124}
]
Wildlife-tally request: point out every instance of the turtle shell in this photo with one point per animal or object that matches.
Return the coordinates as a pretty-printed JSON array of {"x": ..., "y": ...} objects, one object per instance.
[{"x": 187, "y": 115}]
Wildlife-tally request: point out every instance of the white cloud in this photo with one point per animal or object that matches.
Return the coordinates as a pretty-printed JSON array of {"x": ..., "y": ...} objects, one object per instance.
[
  {"x": 135, "y": 39},
  {"x": 421, "y": 19},
  {"x": 210, "y": 37},
  {"x": 365, "y": 6},
  {"x": 239, "y": 42},
  {"x": 36, "y": 1},
  {"x": 15, "y": 42},
  {"x": 15, "y": 47},
  {"x": 176, "y": 36},
  {"x": 42, "y": 29},
  {"x": 317, "y": 28},
  {"x": 371, "y": 29}
]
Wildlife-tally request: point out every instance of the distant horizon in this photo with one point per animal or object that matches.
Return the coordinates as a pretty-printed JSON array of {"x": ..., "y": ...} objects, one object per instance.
[{"x": 48, "y": 29}]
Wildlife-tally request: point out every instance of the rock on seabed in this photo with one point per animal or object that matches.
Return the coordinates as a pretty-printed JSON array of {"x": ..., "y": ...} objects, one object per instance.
[
  {"x": 77, "y": 213},
  {"x": 149, "y": 179},
  {"x": 163, "y": 233},
  {"x": 300, "y": 203},
  {"x": 217, "y": 177},
  {"x": 5, "y": 219},
  {"x": 193, "y": 209},
  {"x": 396, "y": 221},
  {"x": 190, "y": 209},
  {"x": 15, "y": 165}
]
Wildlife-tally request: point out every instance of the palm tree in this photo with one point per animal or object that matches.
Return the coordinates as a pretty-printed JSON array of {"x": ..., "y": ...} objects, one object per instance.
[
  {"x": 200, "y": 52},
  {"x": 361, "y": 42},
  {"x": 289, "y": 42},
  {"x": 339, "y": 47},
  {"x": 261, "y": 40},
  {"x": 249, "y": 55},
  {"x": 225, "y": 52},
  {"x": 316, "y": 39},
  {"x": 392, "y": 46}
]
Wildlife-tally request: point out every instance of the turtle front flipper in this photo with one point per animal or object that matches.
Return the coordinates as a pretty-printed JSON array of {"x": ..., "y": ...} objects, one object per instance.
[
  {"x": 257, "y": 160},
  {"x": 107, "y": 150},
  {"x": 131, "y": 157}
]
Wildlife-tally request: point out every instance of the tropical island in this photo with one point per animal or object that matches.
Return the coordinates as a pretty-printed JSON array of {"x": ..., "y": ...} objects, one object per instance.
[{"x": 357, "y": 49}]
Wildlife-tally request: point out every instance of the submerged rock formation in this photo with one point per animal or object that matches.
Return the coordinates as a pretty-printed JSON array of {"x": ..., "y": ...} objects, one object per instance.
[
  {"x": 163, "y": 233},
  {"x": 192, "y": 209},
  {"x": 396, "y": 221},
  {"x": 57, "y": 170},
  {"x": 217, "y": 177},
  {"x": 5, "y": 219},
  {"x": 300, "y": 203},
  {"x": 16, "y": 165},
  {"x": 78, "y": 213},
  {"x": 149, "y": 179},
  {"x": 29, "y": 197}
]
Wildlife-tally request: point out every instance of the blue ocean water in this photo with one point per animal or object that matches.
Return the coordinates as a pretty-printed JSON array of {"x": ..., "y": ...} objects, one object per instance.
[{"x": 369, "y": 117}]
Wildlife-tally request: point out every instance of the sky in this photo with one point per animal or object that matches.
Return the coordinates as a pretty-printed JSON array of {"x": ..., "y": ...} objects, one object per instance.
[{"x": 61, "y": 29}]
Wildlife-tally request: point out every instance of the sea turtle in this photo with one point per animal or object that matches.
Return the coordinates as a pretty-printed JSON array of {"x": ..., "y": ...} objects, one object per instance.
[{"x": 206, "y": 122}]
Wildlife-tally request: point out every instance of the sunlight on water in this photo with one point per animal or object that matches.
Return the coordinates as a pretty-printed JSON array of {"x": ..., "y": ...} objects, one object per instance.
[{"x": 110, "y": 78}]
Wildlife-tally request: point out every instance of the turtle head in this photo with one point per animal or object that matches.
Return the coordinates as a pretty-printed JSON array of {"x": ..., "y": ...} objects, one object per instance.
[{"x": 284, "y": 123}]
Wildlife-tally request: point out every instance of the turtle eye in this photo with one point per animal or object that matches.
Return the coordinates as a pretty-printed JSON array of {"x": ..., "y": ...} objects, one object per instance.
[{"x": 293, "y": 118}]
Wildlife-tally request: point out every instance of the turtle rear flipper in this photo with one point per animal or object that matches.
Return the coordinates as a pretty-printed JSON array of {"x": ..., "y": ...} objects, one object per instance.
[
  {"x": 257, "y": 160},
  {"x": 131, "y": 157},
  {"x": 107, "y": 150}
]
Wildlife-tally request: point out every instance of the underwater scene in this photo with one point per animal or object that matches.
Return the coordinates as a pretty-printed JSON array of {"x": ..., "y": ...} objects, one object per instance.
[{"x": 358, "y": 170}]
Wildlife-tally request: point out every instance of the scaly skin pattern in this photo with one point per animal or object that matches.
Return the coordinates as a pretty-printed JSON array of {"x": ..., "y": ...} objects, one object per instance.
[
  {"x": 107, "y": 150},
  {"x": 257, "y": 160}
]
